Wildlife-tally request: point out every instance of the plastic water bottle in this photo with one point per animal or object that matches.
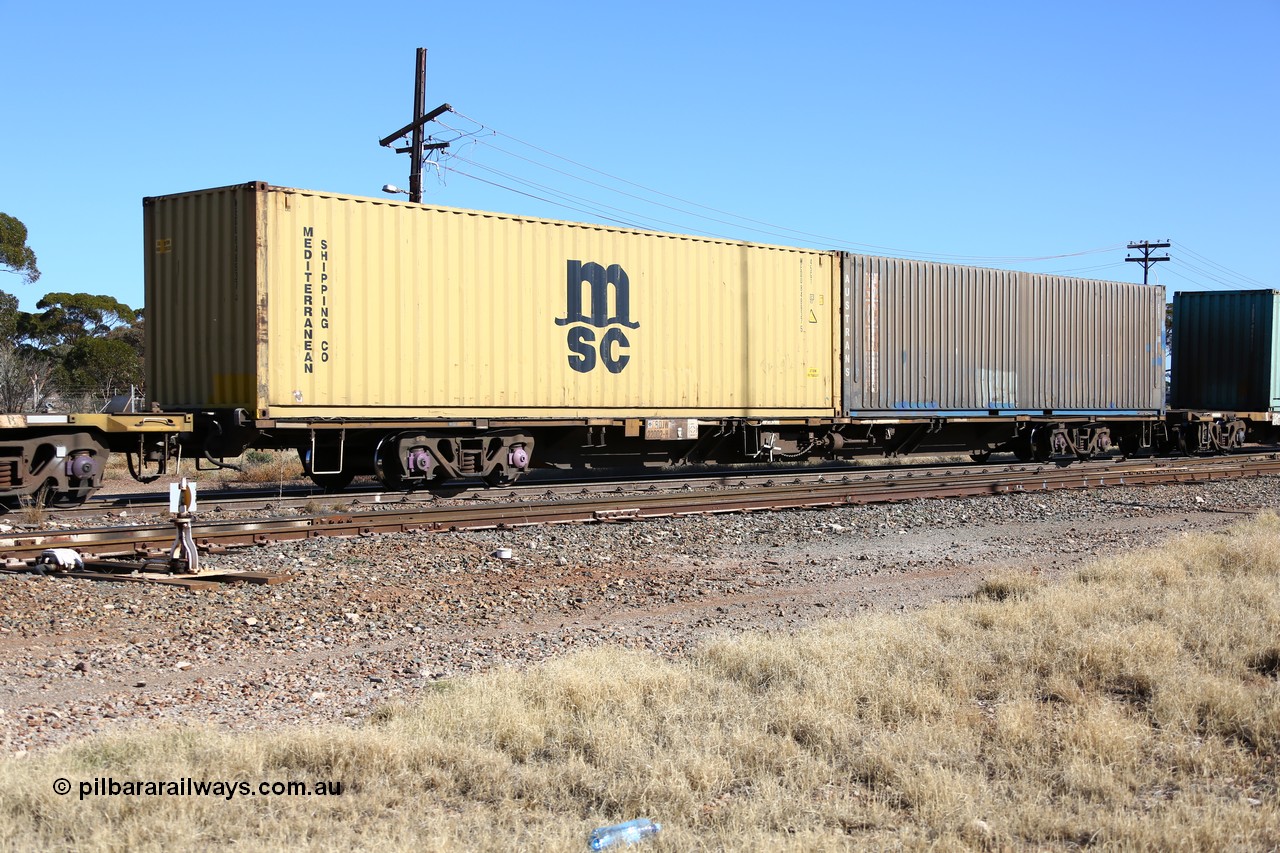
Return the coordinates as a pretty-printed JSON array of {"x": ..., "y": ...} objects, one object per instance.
[{"x": 631, "y": 832}]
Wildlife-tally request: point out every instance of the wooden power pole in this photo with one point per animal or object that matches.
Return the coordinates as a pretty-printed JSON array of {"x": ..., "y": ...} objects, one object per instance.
[
  {"x": 1147, "y": 260},
  {"x": 417, "y": 148}
]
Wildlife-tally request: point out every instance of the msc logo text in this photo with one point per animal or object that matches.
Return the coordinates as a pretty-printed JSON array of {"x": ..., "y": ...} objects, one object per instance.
[{"x": 612, "y": 348}]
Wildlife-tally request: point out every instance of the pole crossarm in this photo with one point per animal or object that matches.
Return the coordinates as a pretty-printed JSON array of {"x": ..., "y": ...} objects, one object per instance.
[
  {"x": 430, "y": 146},
  {"x": 414, "y": 125},
  {"x": 1147, "y": 259}
]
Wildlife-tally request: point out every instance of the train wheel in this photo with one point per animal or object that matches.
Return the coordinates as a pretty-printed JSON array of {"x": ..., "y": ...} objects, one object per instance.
[
  {"x": 43, "y": 495},
  {"x": 498, "y": 477},
  {"x": 1034, "y": 446},
  {"x": 980, "y": 456},
  {"x": 390, "y": 479},
  {"x": 1180, "y": 444},
  {"x": 67, "y": 500},
  {"x": 333, "y": 482},
  {"x": 47, "y": 496},
  {"x": 387, "y": 467}
]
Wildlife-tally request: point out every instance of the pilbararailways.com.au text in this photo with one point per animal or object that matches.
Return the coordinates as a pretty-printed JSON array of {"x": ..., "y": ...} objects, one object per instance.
[{"x": 188, "y": 787}]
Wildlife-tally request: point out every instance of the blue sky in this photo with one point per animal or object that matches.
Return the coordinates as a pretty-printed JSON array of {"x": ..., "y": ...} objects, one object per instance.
[{"x": 993, "y": 133}]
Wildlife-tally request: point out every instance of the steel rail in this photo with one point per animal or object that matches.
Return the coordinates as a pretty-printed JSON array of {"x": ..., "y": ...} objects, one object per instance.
[
  {"x": 528, "y": 487},
  {"x": 302, "y": 496},
  {"x": 214, "y": 536}
]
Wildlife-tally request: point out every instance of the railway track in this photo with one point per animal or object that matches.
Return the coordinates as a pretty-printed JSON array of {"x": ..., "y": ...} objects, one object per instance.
[
  {"x": 774, "y": 492},
  {"x": 548, "y": 487},
  {"x": 529, "y": 488}
]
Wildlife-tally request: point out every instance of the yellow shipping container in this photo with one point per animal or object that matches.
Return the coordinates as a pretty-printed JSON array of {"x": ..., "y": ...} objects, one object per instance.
[{"x": 298, "y": 304}]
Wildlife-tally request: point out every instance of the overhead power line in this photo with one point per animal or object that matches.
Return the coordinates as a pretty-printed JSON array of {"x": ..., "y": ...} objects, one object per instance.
[
  {"x": 730, "y": 225},
  {"x": 638, "y": 223},
  {"x": 735, "y": 220},
  {"x": 1215, "y": 281},
  {"x": 1247, "y": 282},
  {"x": 1116, "y": 265}
]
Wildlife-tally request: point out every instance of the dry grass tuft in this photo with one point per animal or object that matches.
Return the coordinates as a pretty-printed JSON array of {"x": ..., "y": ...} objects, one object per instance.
[
  {"x": 269, "y": 466},
  {"x": 1016, "y": 585},
  {"x": 1134, "y": 707},
  {"x": 32, "y": 511},
  {"x": 257, "y": 467},
  {"x": 1266, "y": 662},
  {"x": 314, "y": 507},
  {"x": 117, "y": 467}
]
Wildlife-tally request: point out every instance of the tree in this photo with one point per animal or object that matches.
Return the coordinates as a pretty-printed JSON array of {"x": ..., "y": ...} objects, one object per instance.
[
  {"x": 14, "y": 251},
  {"x": 65, "y": 318},
  {"x": 26, "y": 380},
  {"x": 90, "y": 346},
  {"x": 9, "y": 315},
  {"x": 107, "y": 366},
  {"x": 25, "y": 376}
]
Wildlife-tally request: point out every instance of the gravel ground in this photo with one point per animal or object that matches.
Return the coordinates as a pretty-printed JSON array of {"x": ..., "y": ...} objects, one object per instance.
[{"x": 375, "y": 620}]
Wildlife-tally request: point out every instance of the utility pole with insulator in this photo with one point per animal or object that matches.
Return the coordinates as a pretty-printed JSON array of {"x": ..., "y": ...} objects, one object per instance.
[
  {"x": 417, "y": 148},
  {"x": 1147, "y": 260}
]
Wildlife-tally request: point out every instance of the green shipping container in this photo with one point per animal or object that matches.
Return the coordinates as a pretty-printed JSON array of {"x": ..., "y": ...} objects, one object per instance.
[{"x": 1225, "y": 351}]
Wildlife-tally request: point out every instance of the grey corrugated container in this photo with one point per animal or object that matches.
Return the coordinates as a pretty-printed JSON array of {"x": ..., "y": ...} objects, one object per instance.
[
  {"x": 924, "y": 338},
  {"x": 1225, "y": 350}
]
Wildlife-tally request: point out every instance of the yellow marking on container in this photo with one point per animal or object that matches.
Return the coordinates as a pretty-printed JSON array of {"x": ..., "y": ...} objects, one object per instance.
[
  {"x": 233, "y": 389},
  {"x": 164, "y": 246},
  {"x": 812, "y": 373}
]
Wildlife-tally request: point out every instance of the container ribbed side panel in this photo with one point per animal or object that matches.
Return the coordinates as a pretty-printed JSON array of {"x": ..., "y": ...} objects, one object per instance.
[
  {"x": 1225, "y": 353},
  {"x": 201, "y": 269},
  {"x": 930, "y": 338},
  {"x": 376, "y": 308},
  {"x": 1100, "y": 344}
]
